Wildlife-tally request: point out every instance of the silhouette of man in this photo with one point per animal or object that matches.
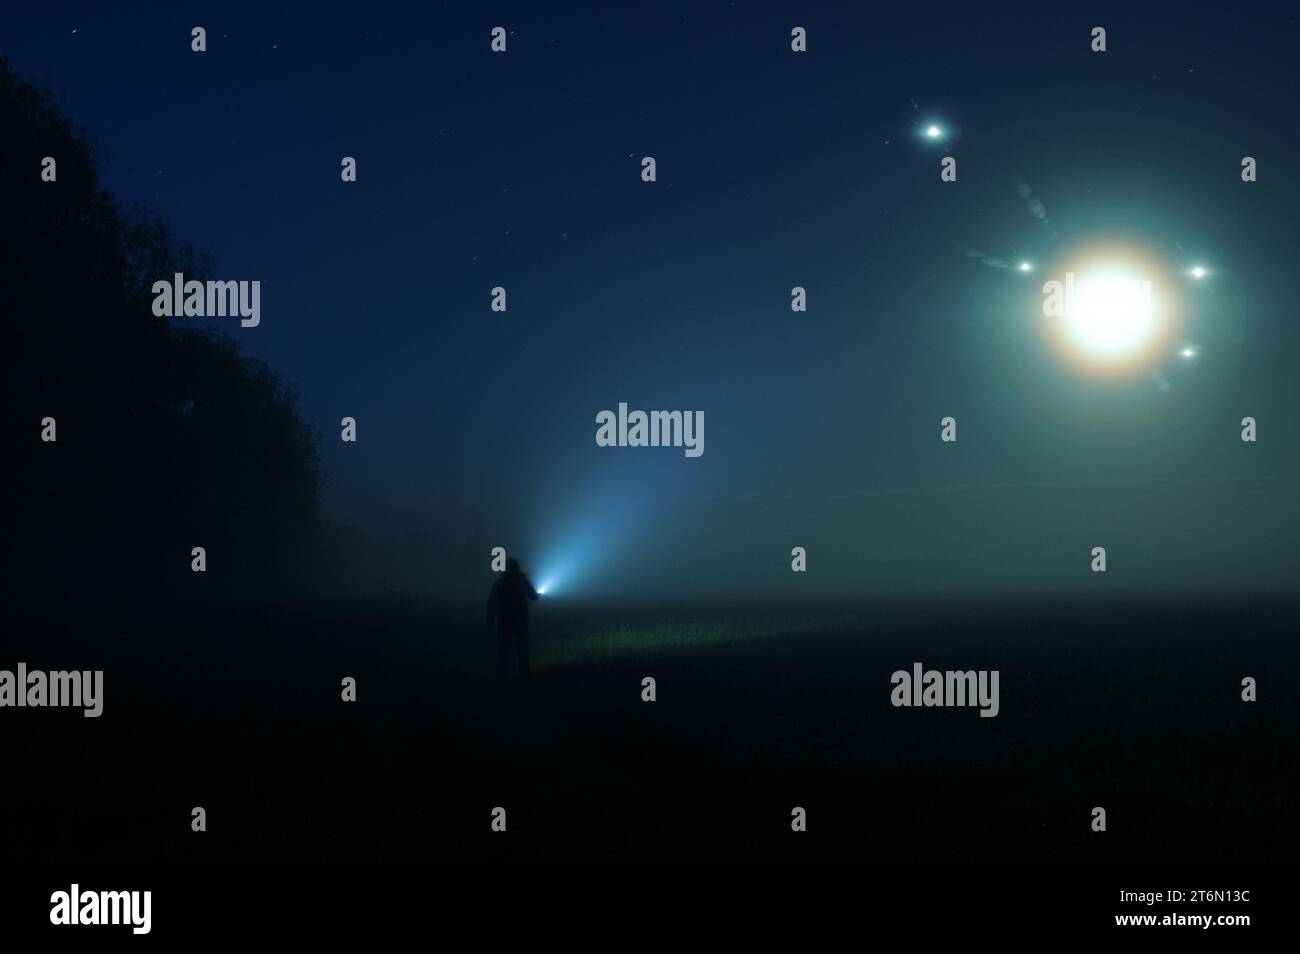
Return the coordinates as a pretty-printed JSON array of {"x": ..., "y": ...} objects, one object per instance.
[{"x": 508, "y": 609}]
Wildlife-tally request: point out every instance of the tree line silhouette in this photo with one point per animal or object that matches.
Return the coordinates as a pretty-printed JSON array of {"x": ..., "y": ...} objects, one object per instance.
[{"x": 167, "y": 436}]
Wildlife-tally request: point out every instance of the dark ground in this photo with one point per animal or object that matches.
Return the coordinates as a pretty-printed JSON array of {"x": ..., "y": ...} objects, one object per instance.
[{"x": 1133, "y": 705}]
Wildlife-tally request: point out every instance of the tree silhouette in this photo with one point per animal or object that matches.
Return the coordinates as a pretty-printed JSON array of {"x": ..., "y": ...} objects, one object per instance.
[{"x": 167, "y": 437}]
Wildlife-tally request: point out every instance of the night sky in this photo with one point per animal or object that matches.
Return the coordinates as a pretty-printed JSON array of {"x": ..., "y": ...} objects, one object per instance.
[{"x": 775, "y": 169}]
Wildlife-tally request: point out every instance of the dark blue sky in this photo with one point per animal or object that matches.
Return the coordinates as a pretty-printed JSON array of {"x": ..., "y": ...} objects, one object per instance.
[{"x": 774, "y": 170}]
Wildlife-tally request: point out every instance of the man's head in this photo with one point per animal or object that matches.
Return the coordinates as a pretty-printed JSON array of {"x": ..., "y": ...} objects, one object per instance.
[{"x": 512, "y": 565}]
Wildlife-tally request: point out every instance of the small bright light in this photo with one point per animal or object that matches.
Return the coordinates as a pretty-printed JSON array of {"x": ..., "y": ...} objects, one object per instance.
[
  {"x": 1189, "y": 353},
  {"x": 1197, "y": 271},
  {"x": 541, "y": 590},
  {"x": 934, "y": 132},
  {"x": 1026, "y": 267}
]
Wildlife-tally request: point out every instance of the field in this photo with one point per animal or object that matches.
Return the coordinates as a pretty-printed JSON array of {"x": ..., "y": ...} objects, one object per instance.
[{"x": 1131, "y": 705}]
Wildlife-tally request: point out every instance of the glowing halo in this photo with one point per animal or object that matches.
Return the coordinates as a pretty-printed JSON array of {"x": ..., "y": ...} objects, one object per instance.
[{"x": 1110, "y": 309}]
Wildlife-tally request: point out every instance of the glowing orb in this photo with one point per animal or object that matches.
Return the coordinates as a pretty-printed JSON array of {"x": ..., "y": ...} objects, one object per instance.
[
  {"x": 1189, "y": 352},
  {"x": 1025, "y": 267},
  {"x": 1111, "y": 314},
  {"x": 541, "y": 590},
  {"x": 1197, "y": 271},
  {"x": 934, "y": 132},
  {"x": 1111, "y": 308}
]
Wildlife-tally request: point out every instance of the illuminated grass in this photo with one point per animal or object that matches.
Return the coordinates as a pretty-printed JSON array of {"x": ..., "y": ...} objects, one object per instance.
[{"x": 642, "y": 640}]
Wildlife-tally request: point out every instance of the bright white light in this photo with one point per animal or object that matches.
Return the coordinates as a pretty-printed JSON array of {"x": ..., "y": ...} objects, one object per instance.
[
  {"x": 1189, "y": 353},
  {"x": 541, "y": 590},
  {"x": 1197, "y": 271},
  {"x": 1026, "y": 267},
  {"x": 934, "y": 132},
  {"x": 1112, "y": 309},
  {"x": 1111, "y": 315}
]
